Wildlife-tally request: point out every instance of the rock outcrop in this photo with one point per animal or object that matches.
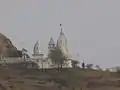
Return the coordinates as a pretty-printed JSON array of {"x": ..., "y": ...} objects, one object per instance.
[{"x": 7, "y": 48}]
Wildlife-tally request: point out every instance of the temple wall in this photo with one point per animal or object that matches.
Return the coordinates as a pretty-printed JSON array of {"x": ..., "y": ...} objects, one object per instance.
[{"x": 46, "y": 64}]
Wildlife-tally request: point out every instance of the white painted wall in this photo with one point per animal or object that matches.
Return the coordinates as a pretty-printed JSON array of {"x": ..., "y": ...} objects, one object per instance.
[
  {"x": 114, "y": 69},
  {"x": 42, "y": 64}
]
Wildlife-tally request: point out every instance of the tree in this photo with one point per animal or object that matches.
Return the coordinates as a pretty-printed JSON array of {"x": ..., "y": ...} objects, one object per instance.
[
  {"x": 89, "y": 66},
  {"x": 75, "y": 63},
  {"x": 83, "y": 65},
  {"x": 57, "y": 58},
  {"x": 24, "y": 52},
  {"x": 118, "y": 69},
  {"x": 98, "y": 67}
]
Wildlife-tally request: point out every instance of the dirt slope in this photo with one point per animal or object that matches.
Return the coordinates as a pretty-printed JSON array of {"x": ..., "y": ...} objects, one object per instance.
[{"x": 67, "y": 79}]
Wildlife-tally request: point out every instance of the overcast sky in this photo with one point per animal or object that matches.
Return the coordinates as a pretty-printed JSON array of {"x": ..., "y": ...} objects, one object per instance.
[{"x": 92, "y": 27}]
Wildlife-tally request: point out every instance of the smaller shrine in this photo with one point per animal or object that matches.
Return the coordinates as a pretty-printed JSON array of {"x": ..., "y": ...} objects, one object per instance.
[
  {"x": 38, "y": 57},
  {"x": 37, "y": 54}
]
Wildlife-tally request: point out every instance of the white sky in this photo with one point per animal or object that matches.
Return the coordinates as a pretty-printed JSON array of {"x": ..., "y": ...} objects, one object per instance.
[{"x": 92, "y": 27}]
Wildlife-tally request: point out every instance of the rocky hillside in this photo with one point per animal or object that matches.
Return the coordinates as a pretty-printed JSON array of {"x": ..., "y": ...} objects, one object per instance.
[{"x": 7, "y": 48}]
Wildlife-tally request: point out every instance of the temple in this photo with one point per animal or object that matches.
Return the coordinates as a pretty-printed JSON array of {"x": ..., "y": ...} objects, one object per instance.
[{"x": 46, "y": 62}]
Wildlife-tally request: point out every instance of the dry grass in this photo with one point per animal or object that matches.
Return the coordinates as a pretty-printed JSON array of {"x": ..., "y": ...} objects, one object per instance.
[{"x": 67, "y": 79}]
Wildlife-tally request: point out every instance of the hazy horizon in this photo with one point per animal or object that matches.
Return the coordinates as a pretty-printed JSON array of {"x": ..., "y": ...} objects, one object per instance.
[{"x": 91, "y": 26}]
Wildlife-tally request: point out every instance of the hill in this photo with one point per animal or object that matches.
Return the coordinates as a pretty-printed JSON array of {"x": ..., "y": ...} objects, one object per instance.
[
  {"x": 7, "y": 48},
  {"x": 68, "y": 79}
]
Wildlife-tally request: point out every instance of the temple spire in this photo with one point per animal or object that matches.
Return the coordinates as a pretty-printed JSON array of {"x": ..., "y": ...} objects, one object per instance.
[
  {"x": 61, "y": 29},
  {"x": 62, "y": 43},
  {"x": 36, "y": 48},
  {"x": 51, "y": 42}
]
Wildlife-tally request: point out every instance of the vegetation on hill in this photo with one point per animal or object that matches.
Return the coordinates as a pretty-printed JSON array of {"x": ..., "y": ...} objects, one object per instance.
[
  {"x": 16, "y": 77},
  {"x": 57, "y": 57},
  {"x": 7, "y": 48}
]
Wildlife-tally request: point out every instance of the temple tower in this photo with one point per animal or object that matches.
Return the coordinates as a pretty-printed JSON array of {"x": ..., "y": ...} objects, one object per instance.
[
  {"x": 37, "y": 54},
  {"x": 51, "y": 45},
  {"x": 62, "y": 43},
  {"x": 36, "y": 49}
]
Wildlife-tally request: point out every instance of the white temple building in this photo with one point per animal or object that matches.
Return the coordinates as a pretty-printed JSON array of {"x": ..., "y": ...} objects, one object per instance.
[
  {"x": 45, "y": 62},
  {"x": 38, "y": 57}
]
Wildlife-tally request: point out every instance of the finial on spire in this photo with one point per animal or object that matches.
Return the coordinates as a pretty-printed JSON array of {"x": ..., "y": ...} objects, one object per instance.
[
  {"x": 60, "y": 24},
  {"x": 61, "y": 29}
]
